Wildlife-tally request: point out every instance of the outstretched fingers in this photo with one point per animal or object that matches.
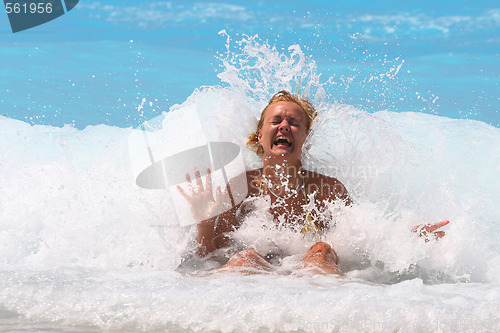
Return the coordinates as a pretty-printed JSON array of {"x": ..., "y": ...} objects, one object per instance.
[
  {"x": 218, "y": 195},
  {"x": 438, "y": 225},
  {"x": 199, "y": 183},
  {"x": 204, "y": 204},
  {"x": 439, "y": 234},
  {"x": 208, "y": 181},
  {"x": 181, "y": 191},
  {"x": 428, "y": 231},
  {"x": 198, "y": 188}
]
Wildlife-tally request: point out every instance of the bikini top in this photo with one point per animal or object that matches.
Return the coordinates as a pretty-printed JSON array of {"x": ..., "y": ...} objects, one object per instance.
[{"x": 309, "y": 228}]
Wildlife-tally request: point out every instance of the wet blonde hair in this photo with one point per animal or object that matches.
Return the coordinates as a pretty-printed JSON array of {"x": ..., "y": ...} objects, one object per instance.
[{"x": 282, "y": 96}]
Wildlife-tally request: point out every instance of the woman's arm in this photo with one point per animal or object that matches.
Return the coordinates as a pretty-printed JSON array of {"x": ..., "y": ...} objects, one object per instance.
[
  {"x": 212, "y": 225},
  {"x": 212, "y": 232}
]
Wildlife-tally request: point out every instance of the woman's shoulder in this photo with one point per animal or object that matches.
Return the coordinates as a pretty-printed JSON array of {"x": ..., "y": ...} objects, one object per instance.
[
  {"x": 316, "y": 177},
  {"x": 326, "y": 186}
]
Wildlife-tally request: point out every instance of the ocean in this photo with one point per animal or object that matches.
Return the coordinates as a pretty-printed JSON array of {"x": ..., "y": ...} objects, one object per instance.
[{"x": 408, "y": 103}]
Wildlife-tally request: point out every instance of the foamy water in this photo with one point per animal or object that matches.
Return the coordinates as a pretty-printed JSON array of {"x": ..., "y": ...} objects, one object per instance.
[{"x": 82, "y": 247}]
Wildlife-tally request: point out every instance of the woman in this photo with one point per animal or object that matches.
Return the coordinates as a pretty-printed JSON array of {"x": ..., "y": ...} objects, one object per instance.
[{"x": 281, "y": 131}]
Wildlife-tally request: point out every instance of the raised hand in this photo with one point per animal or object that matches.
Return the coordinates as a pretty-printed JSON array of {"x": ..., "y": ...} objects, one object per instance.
[
  {"x": 203, "y": 204},
  {"x": 428, "y": 231}
]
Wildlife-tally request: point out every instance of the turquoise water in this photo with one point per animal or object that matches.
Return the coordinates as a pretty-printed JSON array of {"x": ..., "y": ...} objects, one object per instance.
[{"x": 83, "y": 68}]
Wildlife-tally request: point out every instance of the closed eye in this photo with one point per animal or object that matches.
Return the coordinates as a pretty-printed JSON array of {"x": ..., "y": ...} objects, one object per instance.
[{"x": 292, "y": 122}]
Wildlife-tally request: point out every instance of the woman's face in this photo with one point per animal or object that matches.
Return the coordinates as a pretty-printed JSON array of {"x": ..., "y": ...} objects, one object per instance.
[{"x": 283, "y": 131}]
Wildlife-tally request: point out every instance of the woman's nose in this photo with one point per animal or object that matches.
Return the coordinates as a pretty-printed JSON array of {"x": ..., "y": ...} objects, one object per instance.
[{"x": 284, "y": 126}]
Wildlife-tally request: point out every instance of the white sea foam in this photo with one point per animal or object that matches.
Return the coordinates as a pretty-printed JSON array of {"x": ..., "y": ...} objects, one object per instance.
[
  {"x": 80, "y": 243},
  {"x": 82, "y": 247}
]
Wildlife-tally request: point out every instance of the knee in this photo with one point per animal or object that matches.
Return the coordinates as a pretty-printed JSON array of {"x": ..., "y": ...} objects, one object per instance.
[
  {"x": 247, "y": 254},
  {"x": 324, "y": 249},
  {"x": 250, "y": 259},
  {"x": 322, "y": 245}
]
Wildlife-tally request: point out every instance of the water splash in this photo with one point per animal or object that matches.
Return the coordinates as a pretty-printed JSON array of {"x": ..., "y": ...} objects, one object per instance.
[{"x": 259, "y": 69}]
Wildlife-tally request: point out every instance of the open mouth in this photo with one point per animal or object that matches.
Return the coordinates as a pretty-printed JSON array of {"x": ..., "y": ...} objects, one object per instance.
[{"x": 282, "y": 141}]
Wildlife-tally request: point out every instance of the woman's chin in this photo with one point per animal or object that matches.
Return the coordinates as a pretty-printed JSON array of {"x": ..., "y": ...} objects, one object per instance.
[{"x": 283, "y": 154}]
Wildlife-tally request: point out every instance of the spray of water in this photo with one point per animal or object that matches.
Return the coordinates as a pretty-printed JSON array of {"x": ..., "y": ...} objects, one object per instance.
[{"x": 81, "y": 244}]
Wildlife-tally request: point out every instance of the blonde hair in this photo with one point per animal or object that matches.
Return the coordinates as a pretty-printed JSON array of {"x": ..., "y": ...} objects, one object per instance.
[{"x": 282, "y": 96}]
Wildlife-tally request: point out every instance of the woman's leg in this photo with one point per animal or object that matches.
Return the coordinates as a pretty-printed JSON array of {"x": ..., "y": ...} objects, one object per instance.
[
  {"x": 321, "y": 259},
  {"x": 247, "y": 262}
]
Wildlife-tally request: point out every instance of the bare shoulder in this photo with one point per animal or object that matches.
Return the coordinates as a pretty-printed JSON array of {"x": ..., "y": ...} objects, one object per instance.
[{"x": 326, "y": 187}]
